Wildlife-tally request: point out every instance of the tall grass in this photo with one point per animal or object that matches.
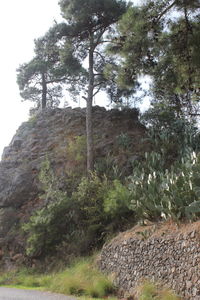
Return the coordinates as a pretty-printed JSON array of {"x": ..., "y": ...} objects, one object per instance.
[
  {"x": 81, "y": 279},
  {"x": 151, "y": 291}
]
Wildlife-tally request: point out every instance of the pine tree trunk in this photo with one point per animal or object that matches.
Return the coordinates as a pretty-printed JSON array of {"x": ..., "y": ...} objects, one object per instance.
[
  {"x": 44, "y": 91},
  {"x": 89, "y": 125}
]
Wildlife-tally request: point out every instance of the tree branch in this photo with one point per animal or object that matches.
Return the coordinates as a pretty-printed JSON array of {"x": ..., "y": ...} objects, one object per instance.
[
  {"x": 105, "y": 41},
  {"x": 98, "y": 53},
  {"x": 98, "y": 84},
  {"x": 165, "y": 11},
  {"x": 98, "y": 90},
  {"x": 99, "y": 37},
  {"x": 62, "y": 79}
]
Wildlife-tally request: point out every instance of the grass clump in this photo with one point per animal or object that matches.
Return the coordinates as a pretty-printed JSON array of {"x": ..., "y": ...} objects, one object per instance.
[
  {"x": 82, "y": 279},
  {"x": 151, "y": 291},
  {"x": 25, "y": 278}
]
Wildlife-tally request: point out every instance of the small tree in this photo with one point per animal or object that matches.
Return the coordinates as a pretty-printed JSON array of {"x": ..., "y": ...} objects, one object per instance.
[{"x": 41, "y": 79}]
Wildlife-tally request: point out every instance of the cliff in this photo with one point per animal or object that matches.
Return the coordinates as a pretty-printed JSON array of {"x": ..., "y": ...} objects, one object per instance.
[{"x": 50, "y": 134}]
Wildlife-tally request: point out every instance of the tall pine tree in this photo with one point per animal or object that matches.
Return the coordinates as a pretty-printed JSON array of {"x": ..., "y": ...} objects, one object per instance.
[{"x": 87, "y": 22}]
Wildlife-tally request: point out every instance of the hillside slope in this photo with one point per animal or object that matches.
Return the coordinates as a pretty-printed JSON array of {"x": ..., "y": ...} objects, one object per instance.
[{"x": 53, "y": 134}]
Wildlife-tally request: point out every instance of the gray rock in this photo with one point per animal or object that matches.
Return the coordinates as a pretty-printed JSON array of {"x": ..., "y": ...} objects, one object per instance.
[{"x": 48, "y": 134}]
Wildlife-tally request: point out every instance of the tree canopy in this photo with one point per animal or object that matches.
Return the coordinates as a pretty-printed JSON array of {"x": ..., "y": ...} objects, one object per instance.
[
  {"x": 161, "y": 39},
  {"x": 41, "y": 79}
]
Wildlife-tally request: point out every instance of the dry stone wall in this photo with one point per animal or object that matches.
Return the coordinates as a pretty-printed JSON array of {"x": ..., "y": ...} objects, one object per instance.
[{"x": 172, "y": 259}]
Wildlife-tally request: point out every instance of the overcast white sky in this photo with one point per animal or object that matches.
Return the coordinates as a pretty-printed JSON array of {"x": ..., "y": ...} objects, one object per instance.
[{"x": 21, "y": 22}]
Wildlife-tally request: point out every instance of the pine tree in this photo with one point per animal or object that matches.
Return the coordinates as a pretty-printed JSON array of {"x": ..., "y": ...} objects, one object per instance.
[
  {"x": 41, "y": 79},
  {"x": 161, "y": 39},
  {"x": 87, "y": 22}
]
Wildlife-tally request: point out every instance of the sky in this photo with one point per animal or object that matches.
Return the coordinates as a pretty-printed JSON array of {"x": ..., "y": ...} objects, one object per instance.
[{"x": 21, "y": 22}]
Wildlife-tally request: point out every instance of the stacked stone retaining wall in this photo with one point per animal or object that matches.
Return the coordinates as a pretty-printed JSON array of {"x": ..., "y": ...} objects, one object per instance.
[{"x": 171, "y": 258}]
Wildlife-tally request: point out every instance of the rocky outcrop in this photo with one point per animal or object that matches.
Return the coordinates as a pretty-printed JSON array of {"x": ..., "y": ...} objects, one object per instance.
[
  {"x": 48, "y": 135},
  {"x": 169, "y": 255}
]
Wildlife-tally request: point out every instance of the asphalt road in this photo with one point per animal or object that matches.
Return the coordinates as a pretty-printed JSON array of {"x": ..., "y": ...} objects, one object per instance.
[{"x": 15, "y": 294}]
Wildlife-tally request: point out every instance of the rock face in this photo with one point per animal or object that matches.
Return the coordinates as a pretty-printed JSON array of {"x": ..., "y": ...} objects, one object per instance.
[
  {"x": 171, "y": 257},
  {"x": 48, "y": 135}
]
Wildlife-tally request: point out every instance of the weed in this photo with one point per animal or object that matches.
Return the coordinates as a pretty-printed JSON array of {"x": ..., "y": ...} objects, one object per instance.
[{"x": 152, "y": 291}]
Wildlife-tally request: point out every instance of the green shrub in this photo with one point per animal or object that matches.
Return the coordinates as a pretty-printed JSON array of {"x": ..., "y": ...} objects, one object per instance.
[
  {"x": 89, "y": 199},
  {"x": 48, "y": 225},
  {"x": 117, "y": 200},
  {"x": 66, "y": 221},
  {"x": 99, "y": 207},
  {"x": 77, "y": 149},
  {"x": 173, "y": 193},
  {"x": 103, "y": 210}
]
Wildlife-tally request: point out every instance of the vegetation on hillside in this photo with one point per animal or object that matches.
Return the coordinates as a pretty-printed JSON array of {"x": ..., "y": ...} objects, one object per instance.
[
  {"x": 158, "y": 39},
  {"x": 163, "y": 185}
]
